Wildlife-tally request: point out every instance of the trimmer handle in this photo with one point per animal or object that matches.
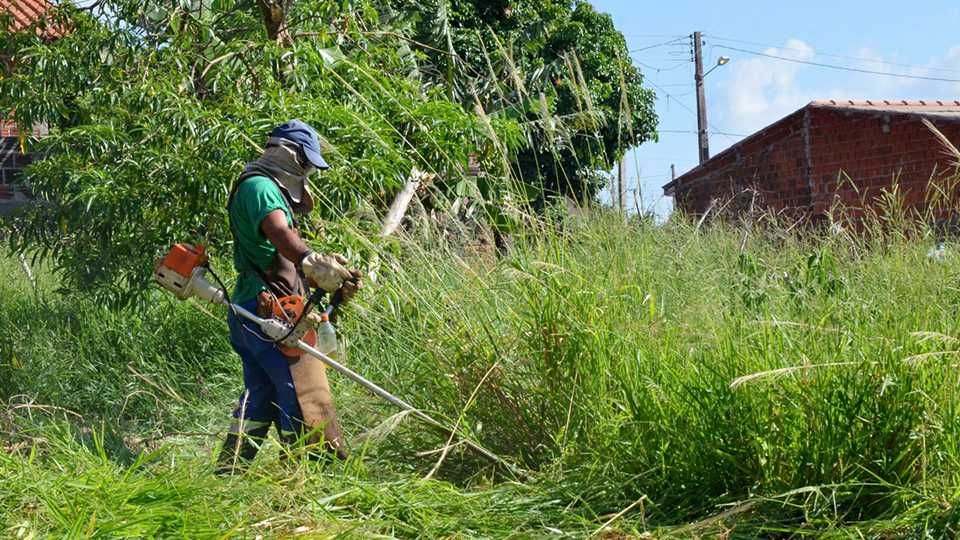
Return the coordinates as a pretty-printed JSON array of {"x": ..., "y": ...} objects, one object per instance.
[{"x": 337, "y": 298}]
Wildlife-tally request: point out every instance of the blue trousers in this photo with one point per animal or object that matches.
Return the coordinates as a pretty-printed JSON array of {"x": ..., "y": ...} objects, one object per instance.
[{"x": 269, "y": 395}]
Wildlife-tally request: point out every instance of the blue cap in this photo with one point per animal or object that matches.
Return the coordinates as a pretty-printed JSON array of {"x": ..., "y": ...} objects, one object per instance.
[{"x": 301, "y": 133}]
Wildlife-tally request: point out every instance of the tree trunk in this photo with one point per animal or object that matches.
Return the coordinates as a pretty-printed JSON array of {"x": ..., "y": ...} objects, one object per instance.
[
  {"x": 400, "y": 203},
  {"x": 274, "y": 19},
  {"x": 397, "y": 210}
]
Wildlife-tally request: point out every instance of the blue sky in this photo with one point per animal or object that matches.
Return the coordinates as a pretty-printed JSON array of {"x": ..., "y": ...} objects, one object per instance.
[{"x": 916, "y": 39}]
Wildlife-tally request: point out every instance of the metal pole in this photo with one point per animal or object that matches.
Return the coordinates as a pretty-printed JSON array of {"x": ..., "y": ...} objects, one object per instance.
[{"x": 702, "y": 136}]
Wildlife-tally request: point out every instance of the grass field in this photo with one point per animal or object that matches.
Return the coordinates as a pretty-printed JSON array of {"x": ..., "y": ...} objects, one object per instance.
[{"x": 658, "y": 380}]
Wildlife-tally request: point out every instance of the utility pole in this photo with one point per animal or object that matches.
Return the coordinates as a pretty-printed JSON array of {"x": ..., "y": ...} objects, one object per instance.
[
  {"x": 702, "y": 136},
  {"x": 621, "y": 185}
]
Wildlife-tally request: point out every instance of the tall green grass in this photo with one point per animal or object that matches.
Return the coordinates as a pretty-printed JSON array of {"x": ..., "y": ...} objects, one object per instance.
[
  {"x": 605, "y": 357},
  {"x": 671, "y": 379}
]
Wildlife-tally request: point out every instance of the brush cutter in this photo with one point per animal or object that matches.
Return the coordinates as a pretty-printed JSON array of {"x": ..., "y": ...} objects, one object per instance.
[{"x": 183, "y": 272}]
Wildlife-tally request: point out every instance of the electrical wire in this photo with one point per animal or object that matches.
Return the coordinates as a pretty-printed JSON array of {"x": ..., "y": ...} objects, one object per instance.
[
  {"x": 230, "y": 306},
  {"x": 671, "y": 96},
  {"x": 648, "y": 47},
  {"x": 649, "y": 177},
  {"x": 839, "y": 68},
  {"x": 226, "y": 293},
  {"x": 725, "y": 133},
  {"x": 679, "y": 64},
  {"x": 691, "y": 111},
  {"x": 654, "y": 36},
  {"x": 831, "y": 55},
  {"x": 674, "y": 85},
  {"x": 306, "y": 309}
]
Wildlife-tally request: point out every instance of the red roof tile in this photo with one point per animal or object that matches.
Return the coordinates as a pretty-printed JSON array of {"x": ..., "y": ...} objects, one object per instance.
[
  {"x": 27, "y": 12},
  {"x": 927, "y": 108},
  {"x": 902, "y": 105}
]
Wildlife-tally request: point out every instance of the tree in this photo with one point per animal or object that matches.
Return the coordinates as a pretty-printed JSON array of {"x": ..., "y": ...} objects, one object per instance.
[
  {"x": 558, "y": 66},
  {"x": 154, "y": 107}
]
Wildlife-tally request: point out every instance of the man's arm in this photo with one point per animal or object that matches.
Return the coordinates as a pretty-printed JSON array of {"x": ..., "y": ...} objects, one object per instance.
[
  {"x": 283, "y": 237},
  {"x": 324, "y": 271}
]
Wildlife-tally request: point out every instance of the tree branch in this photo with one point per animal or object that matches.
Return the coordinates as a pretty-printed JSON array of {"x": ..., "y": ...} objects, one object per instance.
[
  {"x": 274, "y": 12},
  {"x": 400, "y": 203}
]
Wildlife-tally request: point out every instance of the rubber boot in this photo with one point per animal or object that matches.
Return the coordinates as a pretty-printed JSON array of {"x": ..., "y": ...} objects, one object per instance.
[{"x": 239, "y": 449}]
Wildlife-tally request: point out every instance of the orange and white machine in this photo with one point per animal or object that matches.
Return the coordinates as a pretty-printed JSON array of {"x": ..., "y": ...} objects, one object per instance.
[{"x": 183, "y": 272}]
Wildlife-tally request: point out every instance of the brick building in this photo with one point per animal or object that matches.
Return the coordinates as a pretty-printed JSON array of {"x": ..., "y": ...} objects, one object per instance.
[
  {"x": 20, "y": 16},
  {"x": 796, "y": 164}
]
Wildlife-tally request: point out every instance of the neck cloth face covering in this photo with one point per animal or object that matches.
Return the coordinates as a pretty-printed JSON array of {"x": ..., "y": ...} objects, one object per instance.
[{"x": 280, "y": 162}]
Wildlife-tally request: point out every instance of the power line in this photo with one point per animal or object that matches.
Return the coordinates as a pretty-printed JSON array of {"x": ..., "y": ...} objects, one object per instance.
[
  {"x": 650, "y": 177},
  {"x": 691, "y": 111},
  {"x": 840, "y": 68},
  {"x": 671, "y": 96},
  {"x": 834, "y": 55},
  {"x": 648, "y": 47},
  {"x": 728, "y": 134},
  {"x": 679, "y": 64},
  {"x": 661, "y": 60},
  {"x": 678, "y": 36}
]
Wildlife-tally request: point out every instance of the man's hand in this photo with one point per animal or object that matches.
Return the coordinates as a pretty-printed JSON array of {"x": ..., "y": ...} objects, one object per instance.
[
  {"x": 326, "y": 271},
  {"x": 352, "y": 285}
]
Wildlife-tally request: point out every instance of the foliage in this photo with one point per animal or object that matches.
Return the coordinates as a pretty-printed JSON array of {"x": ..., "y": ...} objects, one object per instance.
[
  {"x": 610, "y": 355},
  {"x": 616, "y": 362},
  {"x": 558, "y": 66},
  {"x": 154, "y": 107}
]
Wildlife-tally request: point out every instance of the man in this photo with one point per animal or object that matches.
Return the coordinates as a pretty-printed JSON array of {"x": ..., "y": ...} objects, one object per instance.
[{"x": 273, "y": 261}]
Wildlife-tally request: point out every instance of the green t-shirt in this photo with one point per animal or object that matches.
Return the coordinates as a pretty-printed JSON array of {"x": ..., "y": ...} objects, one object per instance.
[{"x": 256, "y": 197}]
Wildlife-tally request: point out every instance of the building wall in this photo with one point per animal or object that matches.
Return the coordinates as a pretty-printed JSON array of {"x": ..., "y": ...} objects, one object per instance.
[
  {"x": 765, "y": 170},
  {"x": 14, "y": 194},
  {"x": 804, "y": 163},
  {"x": 12, "y": 162},
  {"x": 857, "y": 155}
]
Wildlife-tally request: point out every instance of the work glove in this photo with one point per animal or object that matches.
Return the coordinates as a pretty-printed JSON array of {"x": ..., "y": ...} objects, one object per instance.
[{"x": 325, "y": 271}]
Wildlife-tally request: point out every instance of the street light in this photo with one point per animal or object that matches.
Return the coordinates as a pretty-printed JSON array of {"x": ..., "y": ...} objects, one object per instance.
[{"x": 722, "y": 61}]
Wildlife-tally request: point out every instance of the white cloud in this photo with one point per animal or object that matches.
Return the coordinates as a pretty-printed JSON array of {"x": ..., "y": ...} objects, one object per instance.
[
  {"x": 952, "y": 62},
  {"x": 761, "y": 90}
]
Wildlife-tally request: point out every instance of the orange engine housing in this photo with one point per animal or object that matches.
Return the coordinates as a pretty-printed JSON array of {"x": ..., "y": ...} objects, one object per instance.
[
  {"x": 183, "y": 258},
  {"x": 289, "y": 309}
]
